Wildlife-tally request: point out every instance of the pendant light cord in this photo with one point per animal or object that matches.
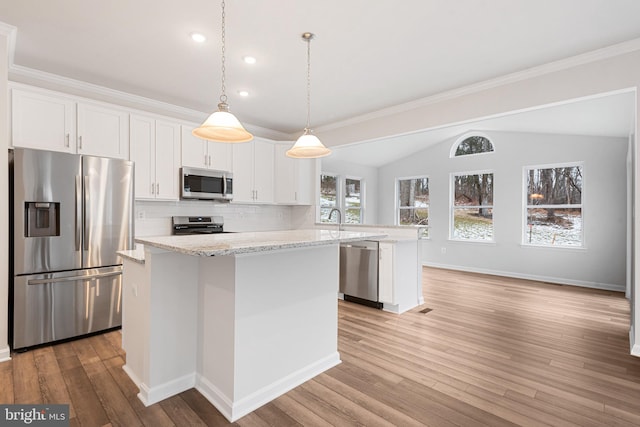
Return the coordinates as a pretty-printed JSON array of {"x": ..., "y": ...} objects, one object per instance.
[
  {"x": 307, "y": 37},
  {"x": 223, "y": 96}
]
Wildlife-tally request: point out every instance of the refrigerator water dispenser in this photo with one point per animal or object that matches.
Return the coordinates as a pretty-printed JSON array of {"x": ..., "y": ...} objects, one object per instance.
[{"x": 42, "y": 219}]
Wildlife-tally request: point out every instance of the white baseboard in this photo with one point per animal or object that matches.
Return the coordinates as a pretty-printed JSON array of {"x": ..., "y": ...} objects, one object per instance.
[
  {"x": 5, "y": 354},
  {"x": 241, "y": 407},
  {"x": 634, "y": 347},
  {"x": 554, "y": 280},
  {"x": 150, "y": 395},
  {"x": 137, "y": 381}
]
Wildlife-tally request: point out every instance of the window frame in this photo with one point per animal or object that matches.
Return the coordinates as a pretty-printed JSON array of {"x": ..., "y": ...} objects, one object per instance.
[
  {"x": 452, "y": 206},
  {"x": 397, "y": 201},
  {"x": 460, "y": 139},
  {"x": 341, "y": 182},
  {"x": 344, "y": 198},
  {"x": 526, "y": 205}
]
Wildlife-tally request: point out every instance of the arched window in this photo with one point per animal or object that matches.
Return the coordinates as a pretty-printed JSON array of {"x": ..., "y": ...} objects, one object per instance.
[{"x": 474, "y": 144}]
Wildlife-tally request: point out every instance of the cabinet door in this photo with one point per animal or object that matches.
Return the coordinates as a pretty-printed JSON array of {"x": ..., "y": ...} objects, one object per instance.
[
  {"x": 103, "y": 131},
  {"x": 220, "y": 156},
  {"x": 304, "y": 176},
  {"x": 243, "y": 172},
  {"x": 263, "y": 171},
  {"x": 284, "y": 176},
  {"x": 143, "y": 136},
  {"x": 385, "y": 273},
  {"x": 42, "y": 121},
  {"x": 167, "y": 160},
  {"x": 194, "y": 149}
]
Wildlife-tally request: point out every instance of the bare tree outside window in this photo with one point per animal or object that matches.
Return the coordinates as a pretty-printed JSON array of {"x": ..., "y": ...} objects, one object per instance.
[
  {"x": 328, "y": 196},
  {"x": 554, "y": 206},
  {"x": 353, "y": 201},
  {"x": 473, "y": 207},
  {"x": 413, "y": 202},
  {"x": 474, "y": 145}
]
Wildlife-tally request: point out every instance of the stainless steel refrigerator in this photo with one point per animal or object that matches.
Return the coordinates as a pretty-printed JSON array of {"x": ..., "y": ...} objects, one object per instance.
[{"x": 69, "y": 216}]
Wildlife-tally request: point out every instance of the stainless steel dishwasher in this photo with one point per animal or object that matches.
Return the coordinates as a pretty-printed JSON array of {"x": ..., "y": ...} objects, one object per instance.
[{"x": 359, "y": 272}]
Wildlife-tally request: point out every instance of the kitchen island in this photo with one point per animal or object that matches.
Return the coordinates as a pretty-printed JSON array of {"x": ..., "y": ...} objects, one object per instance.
[{"x": 242, "y": 317}]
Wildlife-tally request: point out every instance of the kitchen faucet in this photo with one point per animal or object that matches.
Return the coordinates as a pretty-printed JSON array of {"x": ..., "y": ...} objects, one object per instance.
[{"x": 339, "y": 221}]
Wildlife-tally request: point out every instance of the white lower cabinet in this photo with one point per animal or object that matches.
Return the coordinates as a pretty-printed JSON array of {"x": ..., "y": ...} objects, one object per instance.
[
  {"x": 385, "y": 272},
  {"x": 253, "y": 172},
  {"x": 200, "y": 153},
  {"x": 155, "y": 149}
]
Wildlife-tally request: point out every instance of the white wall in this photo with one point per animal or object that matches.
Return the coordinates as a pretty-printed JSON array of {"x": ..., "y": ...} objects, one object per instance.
[
  {"x": 4, "y": 195},
  {"x": 602, "y": 263},
  {"x": 368, "y": 174}
]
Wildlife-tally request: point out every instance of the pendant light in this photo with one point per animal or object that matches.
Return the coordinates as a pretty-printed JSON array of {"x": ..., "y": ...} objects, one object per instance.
[
  {"x": 308, "y": 146},
  {"x": 222, "y": 126}
]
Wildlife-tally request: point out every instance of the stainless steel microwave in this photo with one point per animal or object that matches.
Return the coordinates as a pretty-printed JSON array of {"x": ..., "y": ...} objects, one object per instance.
[{"x": 206, "y": 184}]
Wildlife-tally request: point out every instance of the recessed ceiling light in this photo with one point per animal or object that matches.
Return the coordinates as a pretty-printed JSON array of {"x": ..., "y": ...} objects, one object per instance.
[
  {"x": 249, "y": 59},
  {"x": 243, "y": 93},
  {"x": 198, "y": 38}
]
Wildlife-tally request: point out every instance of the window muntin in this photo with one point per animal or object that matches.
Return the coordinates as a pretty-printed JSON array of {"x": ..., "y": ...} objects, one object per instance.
[
  {"x": 554, "y": 206},
  {"x": 413, "y": 202},
  {"x": 328, "y": 196},
  {"x": 353, "y": 201},
  {"x": 472, "y": 210},
  {"x": 474, "y": 144}
]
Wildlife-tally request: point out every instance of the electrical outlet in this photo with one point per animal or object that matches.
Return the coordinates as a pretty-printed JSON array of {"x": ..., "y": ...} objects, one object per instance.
[
  {"x": 443, "y": 250},
  {"x": 141, "y": 214}
]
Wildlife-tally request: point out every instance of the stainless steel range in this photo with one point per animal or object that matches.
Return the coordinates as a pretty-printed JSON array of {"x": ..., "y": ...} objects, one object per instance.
[{"x": 198, "y": 224}]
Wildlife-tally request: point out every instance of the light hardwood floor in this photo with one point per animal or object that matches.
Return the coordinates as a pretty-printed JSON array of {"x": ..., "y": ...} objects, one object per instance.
[{"x": 492, "y": 351}]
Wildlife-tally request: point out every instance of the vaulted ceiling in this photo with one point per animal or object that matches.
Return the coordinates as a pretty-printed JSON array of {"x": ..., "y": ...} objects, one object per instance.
[{"x": 367, "y": 55}]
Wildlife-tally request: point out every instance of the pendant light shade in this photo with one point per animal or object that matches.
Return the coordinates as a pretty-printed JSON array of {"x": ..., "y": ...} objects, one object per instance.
[
  {"x": 222, "y": 126},
  {"x": 308, "y": 146}
]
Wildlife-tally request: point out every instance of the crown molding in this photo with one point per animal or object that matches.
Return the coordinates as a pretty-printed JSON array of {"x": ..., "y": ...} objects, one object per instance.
[{"x": 541, "y": 70}]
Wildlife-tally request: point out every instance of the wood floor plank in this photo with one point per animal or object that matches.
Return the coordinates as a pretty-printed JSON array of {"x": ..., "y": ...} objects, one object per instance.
[
  {"x": 492, "y": 351},
  {"x": 26, "y": 386}
]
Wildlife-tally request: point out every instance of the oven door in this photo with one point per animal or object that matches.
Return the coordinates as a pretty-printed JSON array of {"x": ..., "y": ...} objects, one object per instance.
[{"x": 206, "y": 184}]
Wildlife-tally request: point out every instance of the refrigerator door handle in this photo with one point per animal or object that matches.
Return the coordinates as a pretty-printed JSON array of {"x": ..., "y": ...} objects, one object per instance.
[
  {"x": 86, "y": 213},
  {"x": 73, "y": 278},
  {"x": 78, "y": 211}
]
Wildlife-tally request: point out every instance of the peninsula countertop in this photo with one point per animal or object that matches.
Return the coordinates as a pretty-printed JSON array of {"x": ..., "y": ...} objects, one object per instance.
[{"x": 247, "y": 242}]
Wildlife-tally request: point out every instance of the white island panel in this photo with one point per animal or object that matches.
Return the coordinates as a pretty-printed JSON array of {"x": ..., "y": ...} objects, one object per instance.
[{"x": 277, "y": 334}]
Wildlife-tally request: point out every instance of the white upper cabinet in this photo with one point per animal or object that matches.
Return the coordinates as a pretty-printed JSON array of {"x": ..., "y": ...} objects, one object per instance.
[
  {"x": 200, "y": 153},
  {"x": 253, "y": 172},
  {"x": 155, "y": 149},
  {"x": 293, "y": 178},
  {"x": 103, "y": 131},
  {"x": 49, "y": 121},
  {"x": 43, "y": 121}
]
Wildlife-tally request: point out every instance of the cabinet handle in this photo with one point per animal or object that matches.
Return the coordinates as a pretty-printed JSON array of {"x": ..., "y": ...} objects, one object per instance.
[
  {"x": 80, "y": 142},
  {"x": 153, "y": 188},
  {"x": 66, "y": 144},
  {"x": 205, "y": 160},
  {"x": 157, "y": 188},
  {"x": 209, "y": 157}
]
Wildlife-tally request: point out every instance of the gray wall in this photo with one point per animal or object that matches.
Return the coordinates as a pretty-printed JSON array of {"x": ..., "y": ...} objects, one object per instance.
[{"x": 602, "y": 263}]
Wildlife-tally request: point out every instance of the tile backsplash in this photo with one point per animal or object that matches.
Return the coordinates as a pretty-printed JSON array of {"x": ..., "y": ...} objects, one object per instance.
[{"x": 153, "y": 218}]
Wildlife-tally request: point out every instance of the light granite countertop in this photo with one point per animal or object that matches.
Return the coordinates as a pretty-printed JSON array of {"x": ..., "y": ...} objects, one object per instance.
[
  {"x": 136, "y": 255},
  {"x": 239, "y": 243}
]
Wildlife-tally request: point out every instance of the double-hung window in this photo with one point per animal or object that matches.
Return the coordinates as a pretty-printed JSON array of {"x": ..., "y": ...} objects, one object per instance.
[
  {"x": 343, "y": 193},
  {"x": 413, "y": 201},
  {"x": 553, "y": 215},
  {"x": 472, "y": 210}
]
